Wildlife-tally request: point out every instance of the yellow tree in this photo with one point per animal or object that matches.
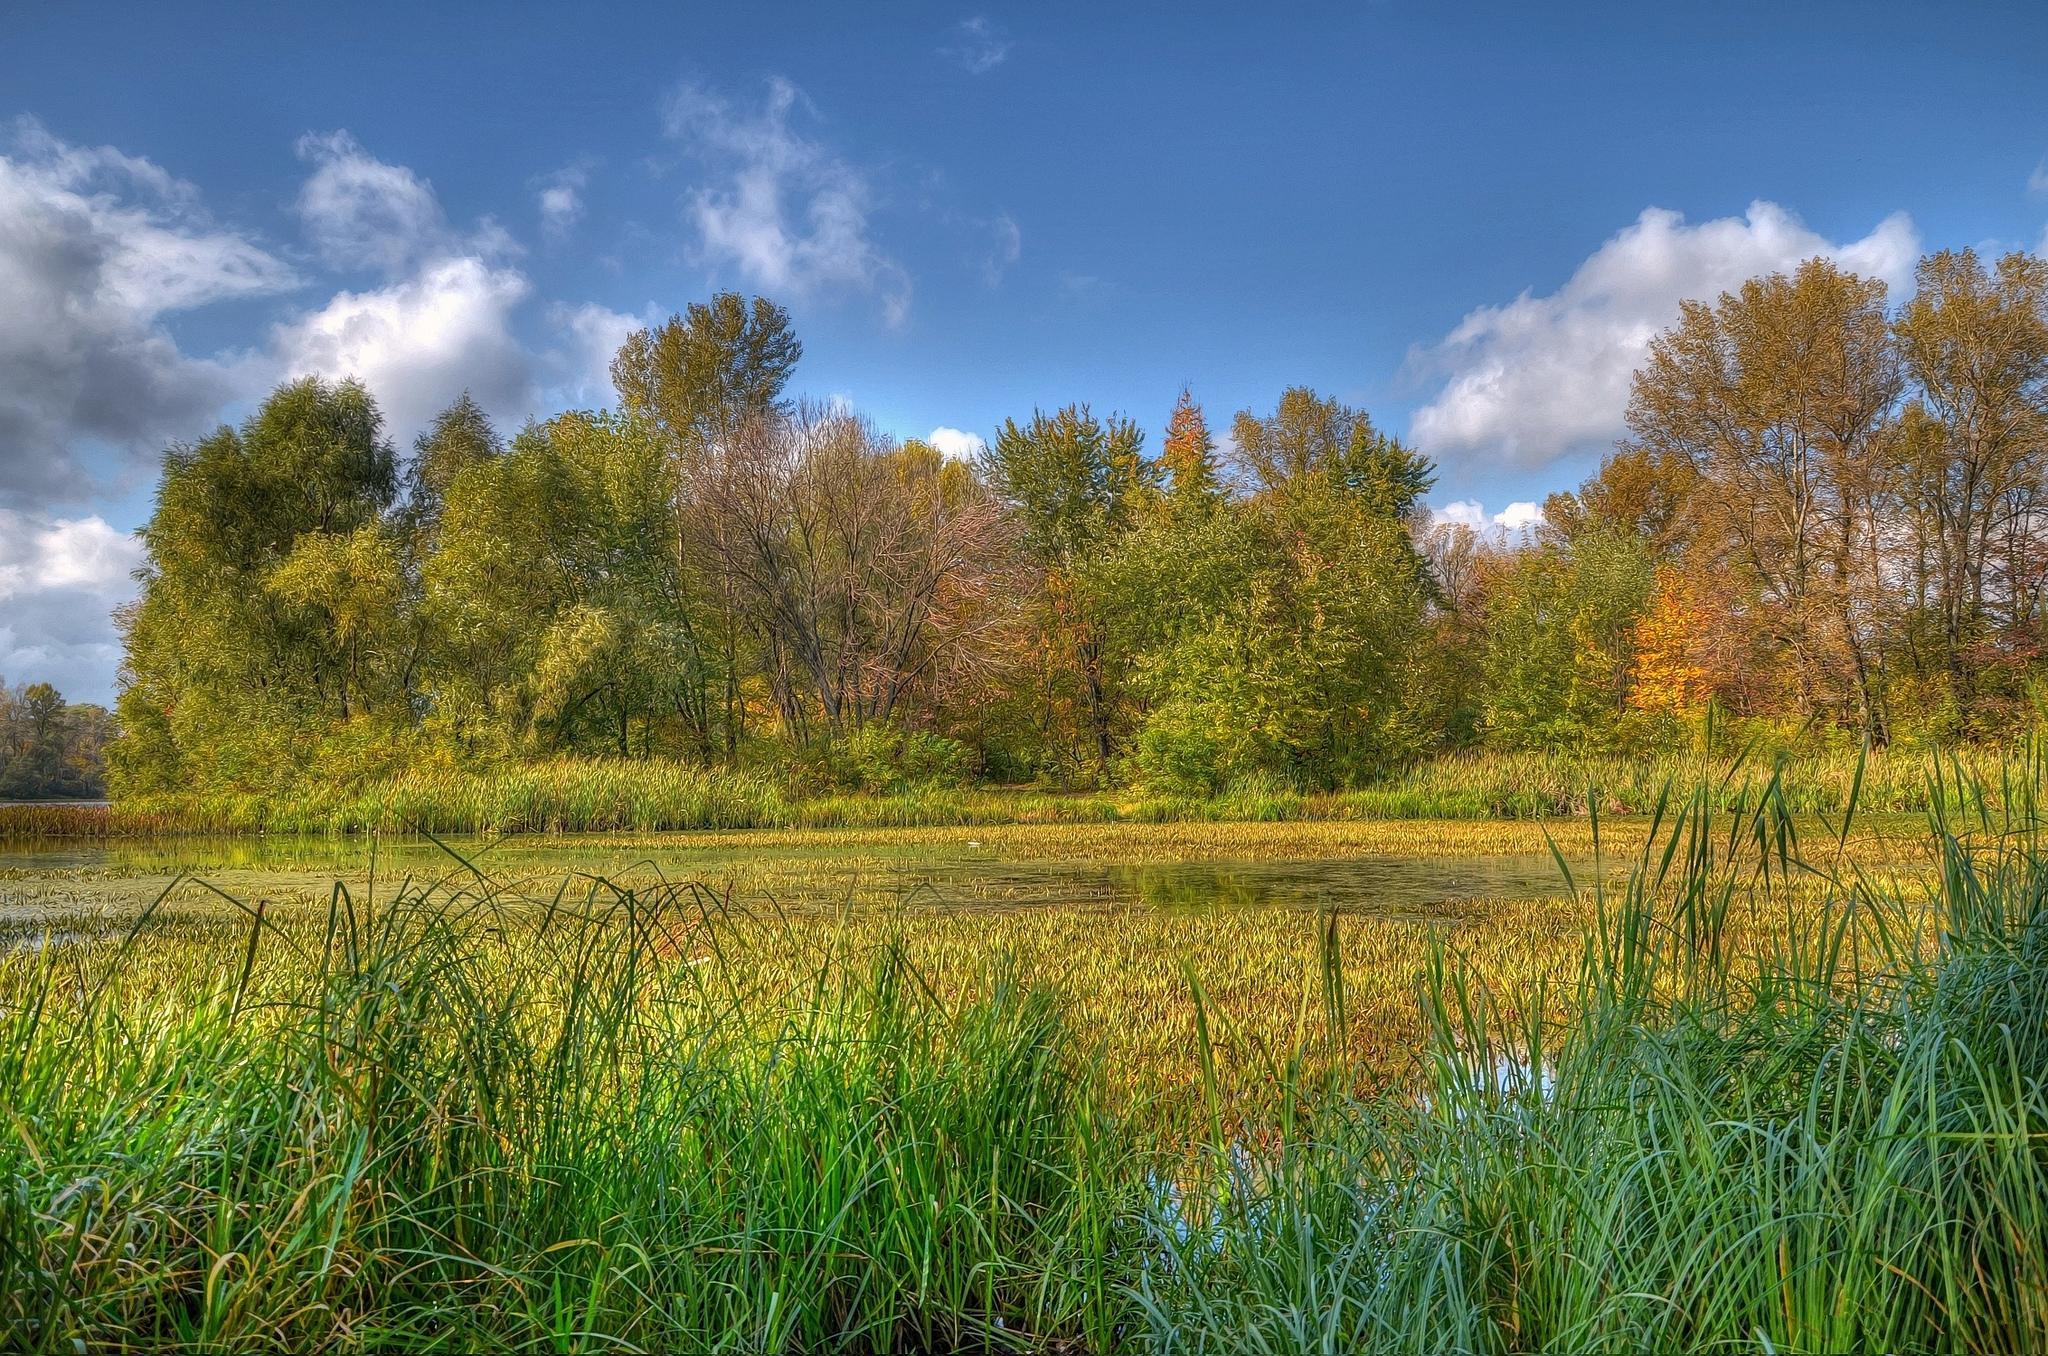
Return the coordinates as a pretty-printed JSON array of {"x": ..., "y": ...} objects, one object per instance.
[{"x": 1782, "y": 397}]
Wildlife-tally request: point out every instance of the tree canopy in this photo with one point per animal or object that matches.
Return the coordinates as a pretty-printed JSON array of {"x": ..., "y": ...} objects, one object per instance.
[{"x": 1828, "y": 515}]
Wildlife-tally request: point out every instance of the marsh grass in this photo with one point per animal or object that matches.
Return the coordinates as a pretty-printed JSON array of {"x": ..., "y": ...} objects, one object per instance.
[
  {"x": 1831, "y": 1138},
  {"x": 1769, "y": 1099},
  {"x": 649, "y": 796}
]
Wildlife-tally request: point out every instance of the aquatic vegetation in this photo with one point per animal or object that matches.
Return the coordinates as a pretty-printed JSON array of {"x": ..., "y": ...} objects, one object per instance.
[{"x": 1757, "y": 1090}]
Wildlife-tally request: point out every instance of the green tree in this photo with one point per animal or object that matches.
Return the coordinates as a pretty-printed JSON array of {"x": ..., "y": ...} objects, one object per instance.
[
  {"x": 701, "y": 378},
  {"x": 1280, "y": 644},
  {"x": 559, "y": 602},
  {"x": 1076, "y": 484},
  {"x": 460, "y": 437},
  {"x": 1307, "y": 436},
  {"x": 698, "y": 376},
  {"x": 251, "y": 643},
  {"x": 1561, "y": 627}
]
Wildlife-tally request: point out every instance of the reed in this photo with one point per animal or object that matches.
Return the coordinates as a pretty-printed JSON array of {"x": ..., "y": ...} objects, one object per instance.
[
  {"x": 658, "y": 795},
  {"x": 1758, "y": 1096}
]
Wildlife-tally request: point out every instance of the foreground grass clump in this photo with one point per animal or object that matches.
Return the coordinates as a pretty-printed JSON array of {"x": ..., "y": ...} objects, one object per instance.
[
  {"x": 1839, "y": 1146},
  {"x": 1778, "y": 1104},
  {"x": 444, "y": 1125}
]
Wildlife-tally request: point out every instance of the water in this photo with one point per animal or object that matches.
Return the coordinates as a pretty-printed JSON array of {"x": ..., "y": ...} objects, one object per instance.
[{"x": 110, "y": 878}]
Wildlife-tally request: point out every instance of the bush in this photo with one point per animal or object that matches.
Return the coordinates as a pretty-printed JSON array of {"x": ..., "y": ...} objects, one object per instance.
[{"x": 881, "y": 759}]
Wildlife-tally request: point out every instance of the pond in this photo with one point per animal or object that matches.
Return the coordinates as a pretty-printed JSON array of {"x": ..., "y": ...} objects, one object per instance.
[{"x": 43, "y": 883}]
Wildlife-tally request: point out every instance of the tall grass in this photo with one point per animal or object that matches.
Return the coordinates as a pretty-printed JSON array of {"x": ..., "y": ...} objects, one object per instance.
[
  {"x": 1839, "y": 1145},
  {"x": 467, "y": 1118},
  {"x": 616, "y": 795},
  {"x": 460, "y": 1121}
]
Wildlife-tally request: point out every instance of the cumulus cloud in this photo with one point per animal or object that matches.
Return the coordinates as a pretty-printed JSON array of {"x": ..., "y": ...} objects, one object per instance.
[
  {"x": 420, "y": 342},
  {"x": 1518, "y": 517},
  {"x": 443, "y": 321},
  {"x": 60, "y": 581},
  {"x": 1542, "y": 377},
  {"x": 96, "y": 248},
  {"x": 789, "y": 214},
  {"x": 978, "y": 46},
  {"x": 956, "y": 444},
  {"x": 560, "y": 200}
]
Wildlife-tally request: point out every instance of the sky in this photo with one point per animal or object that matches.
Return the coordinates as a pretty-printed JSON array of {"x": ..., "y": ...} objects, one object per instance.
[{"x": 1468, "y": 219}]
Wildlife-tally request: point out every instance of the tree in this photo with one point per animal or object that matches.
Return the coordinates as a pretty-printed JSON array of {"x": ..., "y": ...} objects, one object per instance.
[
  {"x": 1781, "y": 397},
  {"x": 1289, "y": 657},
  {"x": 864, "y": 567},
  {"x": 460, "y": 437},
  {"x": 1076, "y": 484},
  {"x": 701, "y": 375},
  {"x": 50, "y": 749},
  {"x": 1305, "y": 436},
  {"x": 1973, "y": 466},
  {"x": 1561, "y": 627},
  {"x": 251, "y": 643},
  {"x": 1187, "y": 456},
  {"x": 702, "y": 378},
  {"x": 564, "y": 617}
]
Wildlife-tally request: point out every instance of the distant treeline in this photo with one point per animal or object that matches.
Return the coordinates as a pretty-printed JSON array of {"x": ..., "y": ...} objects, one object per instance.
[
  {"x": 50, "y": 749},
  {"x": 1829, "y": 522}
]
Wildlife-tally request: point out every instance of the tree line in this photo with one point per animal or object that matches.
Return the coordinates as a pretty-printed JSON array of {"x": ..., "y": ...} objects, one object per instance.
[
  {"x": 51, "y": 749},
  {"x": 1828, "y": 515}
]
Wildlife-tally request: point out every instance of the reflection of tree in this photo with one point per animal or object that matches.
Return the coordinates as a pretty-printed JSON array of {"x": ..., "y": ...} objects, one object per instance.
[{"x": 1181, "y": 887}]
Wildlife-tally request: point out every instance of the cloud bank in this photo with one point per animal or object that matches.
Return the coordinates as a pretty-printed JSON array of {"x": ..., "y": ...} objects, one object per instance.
[{"x": 1542, "y": 377}]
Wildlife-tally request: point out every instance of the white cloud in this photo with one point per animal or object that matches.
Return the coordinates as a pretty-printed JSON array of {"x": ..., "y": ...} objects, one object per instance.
[
  {"x": 1516, "y": 518},
  {"x": 1542, "y": 377},
  {"x": 96, "y": 248},
  {"x": 559, "y": 208},
  {"x": 441, "y": 324},
  {"x": 978, "y": 46},
  {"x": 1007, "y": 248},
  {"x": 60, "y": 581},
  {"x": 582, "y": 365},
  {"x": 2037, "y": 182},
  {"x": 790, "y": 215},
  {"x": 560, "y": 199},
  {"x": 957, "y": 444},
  {"x": 419, "y": 343},
  {"x": 360, "y": 212}
]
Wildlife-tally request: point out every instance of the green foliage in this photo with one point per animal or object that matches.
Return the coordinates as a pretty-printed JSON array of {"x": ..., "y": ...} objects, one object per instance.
[
  {"x": 1561, "y": 628},
  {"x": 700, "y": 375},
  {"x": 1287, "y": 628},
  {"x": 271, "y": 597},
  {"x": 1076, "y": 482},
  {"x": 882, "y": 759},
  {"x": 50, "y": 749},
  {"x": 1806, "y": 1097}
]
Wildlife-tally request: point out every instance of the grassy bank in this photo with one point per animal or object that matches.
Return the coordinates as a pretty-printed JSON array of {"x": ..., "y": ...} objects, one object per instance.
[
  {"x": 657, "y": 796},
  {"x": 1768, "y": 1102}
]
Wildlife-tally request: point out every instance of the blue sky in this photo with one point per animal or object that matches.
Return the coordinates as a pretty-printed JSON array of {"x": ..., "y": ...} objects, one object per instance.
[{"x": 1468, "y": 219}]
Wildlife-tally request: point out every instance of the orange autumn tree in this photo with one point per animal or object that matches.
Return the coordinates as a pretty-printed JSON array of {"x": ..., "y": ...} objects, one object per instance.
[{"x": 1671, "y": 677}]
